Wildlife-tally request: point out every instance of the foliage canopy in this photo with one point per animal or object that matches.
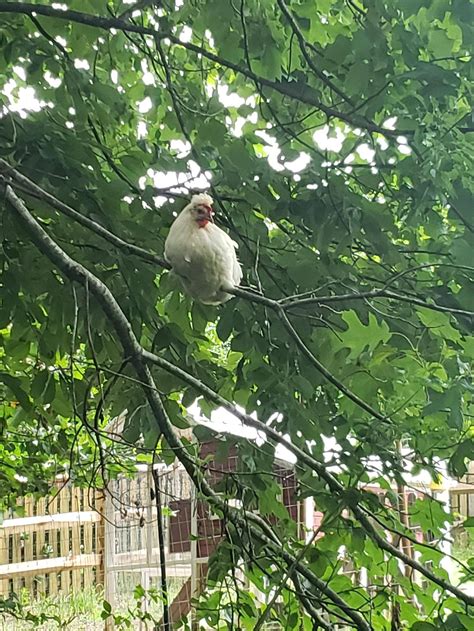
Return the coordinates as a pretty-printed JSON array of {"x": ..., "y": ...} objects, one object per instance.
[{"x": 336, "y": 139}]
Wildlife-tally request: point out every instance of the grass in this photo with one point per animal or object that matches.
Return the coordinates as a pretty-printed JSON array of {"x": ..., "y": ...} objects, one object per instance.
[
  {"x": 80, "y": 611},
  {"x": 75, "y": 612},
  {"x": 463, "y": 550}
]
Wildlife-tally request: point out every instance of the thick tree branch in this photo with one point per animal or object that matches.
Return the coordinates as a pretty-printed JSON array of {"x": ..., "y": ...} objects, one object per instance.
[{"x": 132, "y": 349}]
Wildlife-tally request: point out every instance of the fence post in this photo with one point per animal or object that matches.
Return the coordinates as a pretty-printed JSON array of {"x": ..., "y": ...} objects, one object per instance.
[
  {"x": 109, "y": 553},
  {"x": 195, "y": 568},
  {"x": 99, "y": 543},
  {"x": 149, "y": 526}
]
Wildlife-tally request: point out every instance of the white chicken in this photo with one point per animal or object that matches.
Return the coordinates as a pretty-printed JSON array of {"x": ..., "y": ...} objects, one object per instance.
[{"x": 201, "y": 254}]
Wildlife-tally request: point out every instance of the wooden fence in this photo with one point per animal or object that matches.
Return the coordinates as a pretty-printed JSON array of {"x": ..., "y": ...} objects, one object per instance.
[{"x": 56, "y": 545}]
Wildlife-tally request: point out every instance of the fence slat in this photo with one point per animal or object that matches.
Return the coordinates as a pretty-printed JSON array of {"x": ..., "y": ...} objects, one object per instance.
[{"x": 54, "y": 544}]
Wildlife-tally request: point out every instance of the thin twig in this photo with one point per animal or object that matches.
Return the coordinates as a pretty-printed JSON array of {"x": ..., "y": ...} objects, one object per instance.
[
  {"x": 304, "y": 50},
  {"x": 374, "y": 293}
]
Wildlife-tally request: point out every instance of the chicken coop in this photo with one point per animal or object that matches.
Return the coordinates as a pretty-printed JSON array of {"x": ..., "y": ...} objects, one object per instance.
[{"x": 191, "y": 532}]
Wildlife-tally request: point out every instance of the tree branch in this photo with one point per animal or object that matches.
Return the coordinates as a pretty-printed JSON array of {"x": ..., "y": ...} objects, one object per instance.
[
  {"x": 304, "y": 50},
  {"x": 277, "y": 306},
  {"x": 288, "y": 574},
  {"x": 289, "y": 303},
  {"x": 324, "y": 371},
  {"x": 9, "y": 172},
  {"x": 310, "y": 608},
  {"x": 132, "y": 349},
  {"x": 297, "y": 91},
  {"x": 108, "y": 158}
]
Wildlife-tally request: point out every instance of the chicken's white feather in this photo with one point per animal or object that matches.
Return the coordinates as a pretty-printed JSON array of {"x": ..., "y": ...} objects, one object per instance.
[{"x": 201, "y": 254}]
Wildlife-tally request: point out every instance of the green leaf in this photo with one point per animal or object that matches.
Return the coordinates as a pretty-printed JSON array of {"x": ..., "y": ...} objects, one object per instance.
[
  {"x": 15, "y": 386},
  {"x": 138, "y": 592},
  {"x": 439, "y": 42},
  {"x": 457, "y": 462},
  {"x": 438, "y": 323},
  {"x": 451, "y": 402},
  {"x": 213, "y": 131},
  {"x": 238, "y": 156},
  {"x": 359, "y": 336},
  {"x": 49, "y": 391},
  {"x": 39, "y": 383}
]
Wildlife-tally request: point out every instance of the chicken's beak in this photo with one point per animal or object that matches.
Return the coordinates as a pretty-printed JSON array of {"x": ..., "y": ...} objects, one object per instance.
[{"x": 210, "y": 213}]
